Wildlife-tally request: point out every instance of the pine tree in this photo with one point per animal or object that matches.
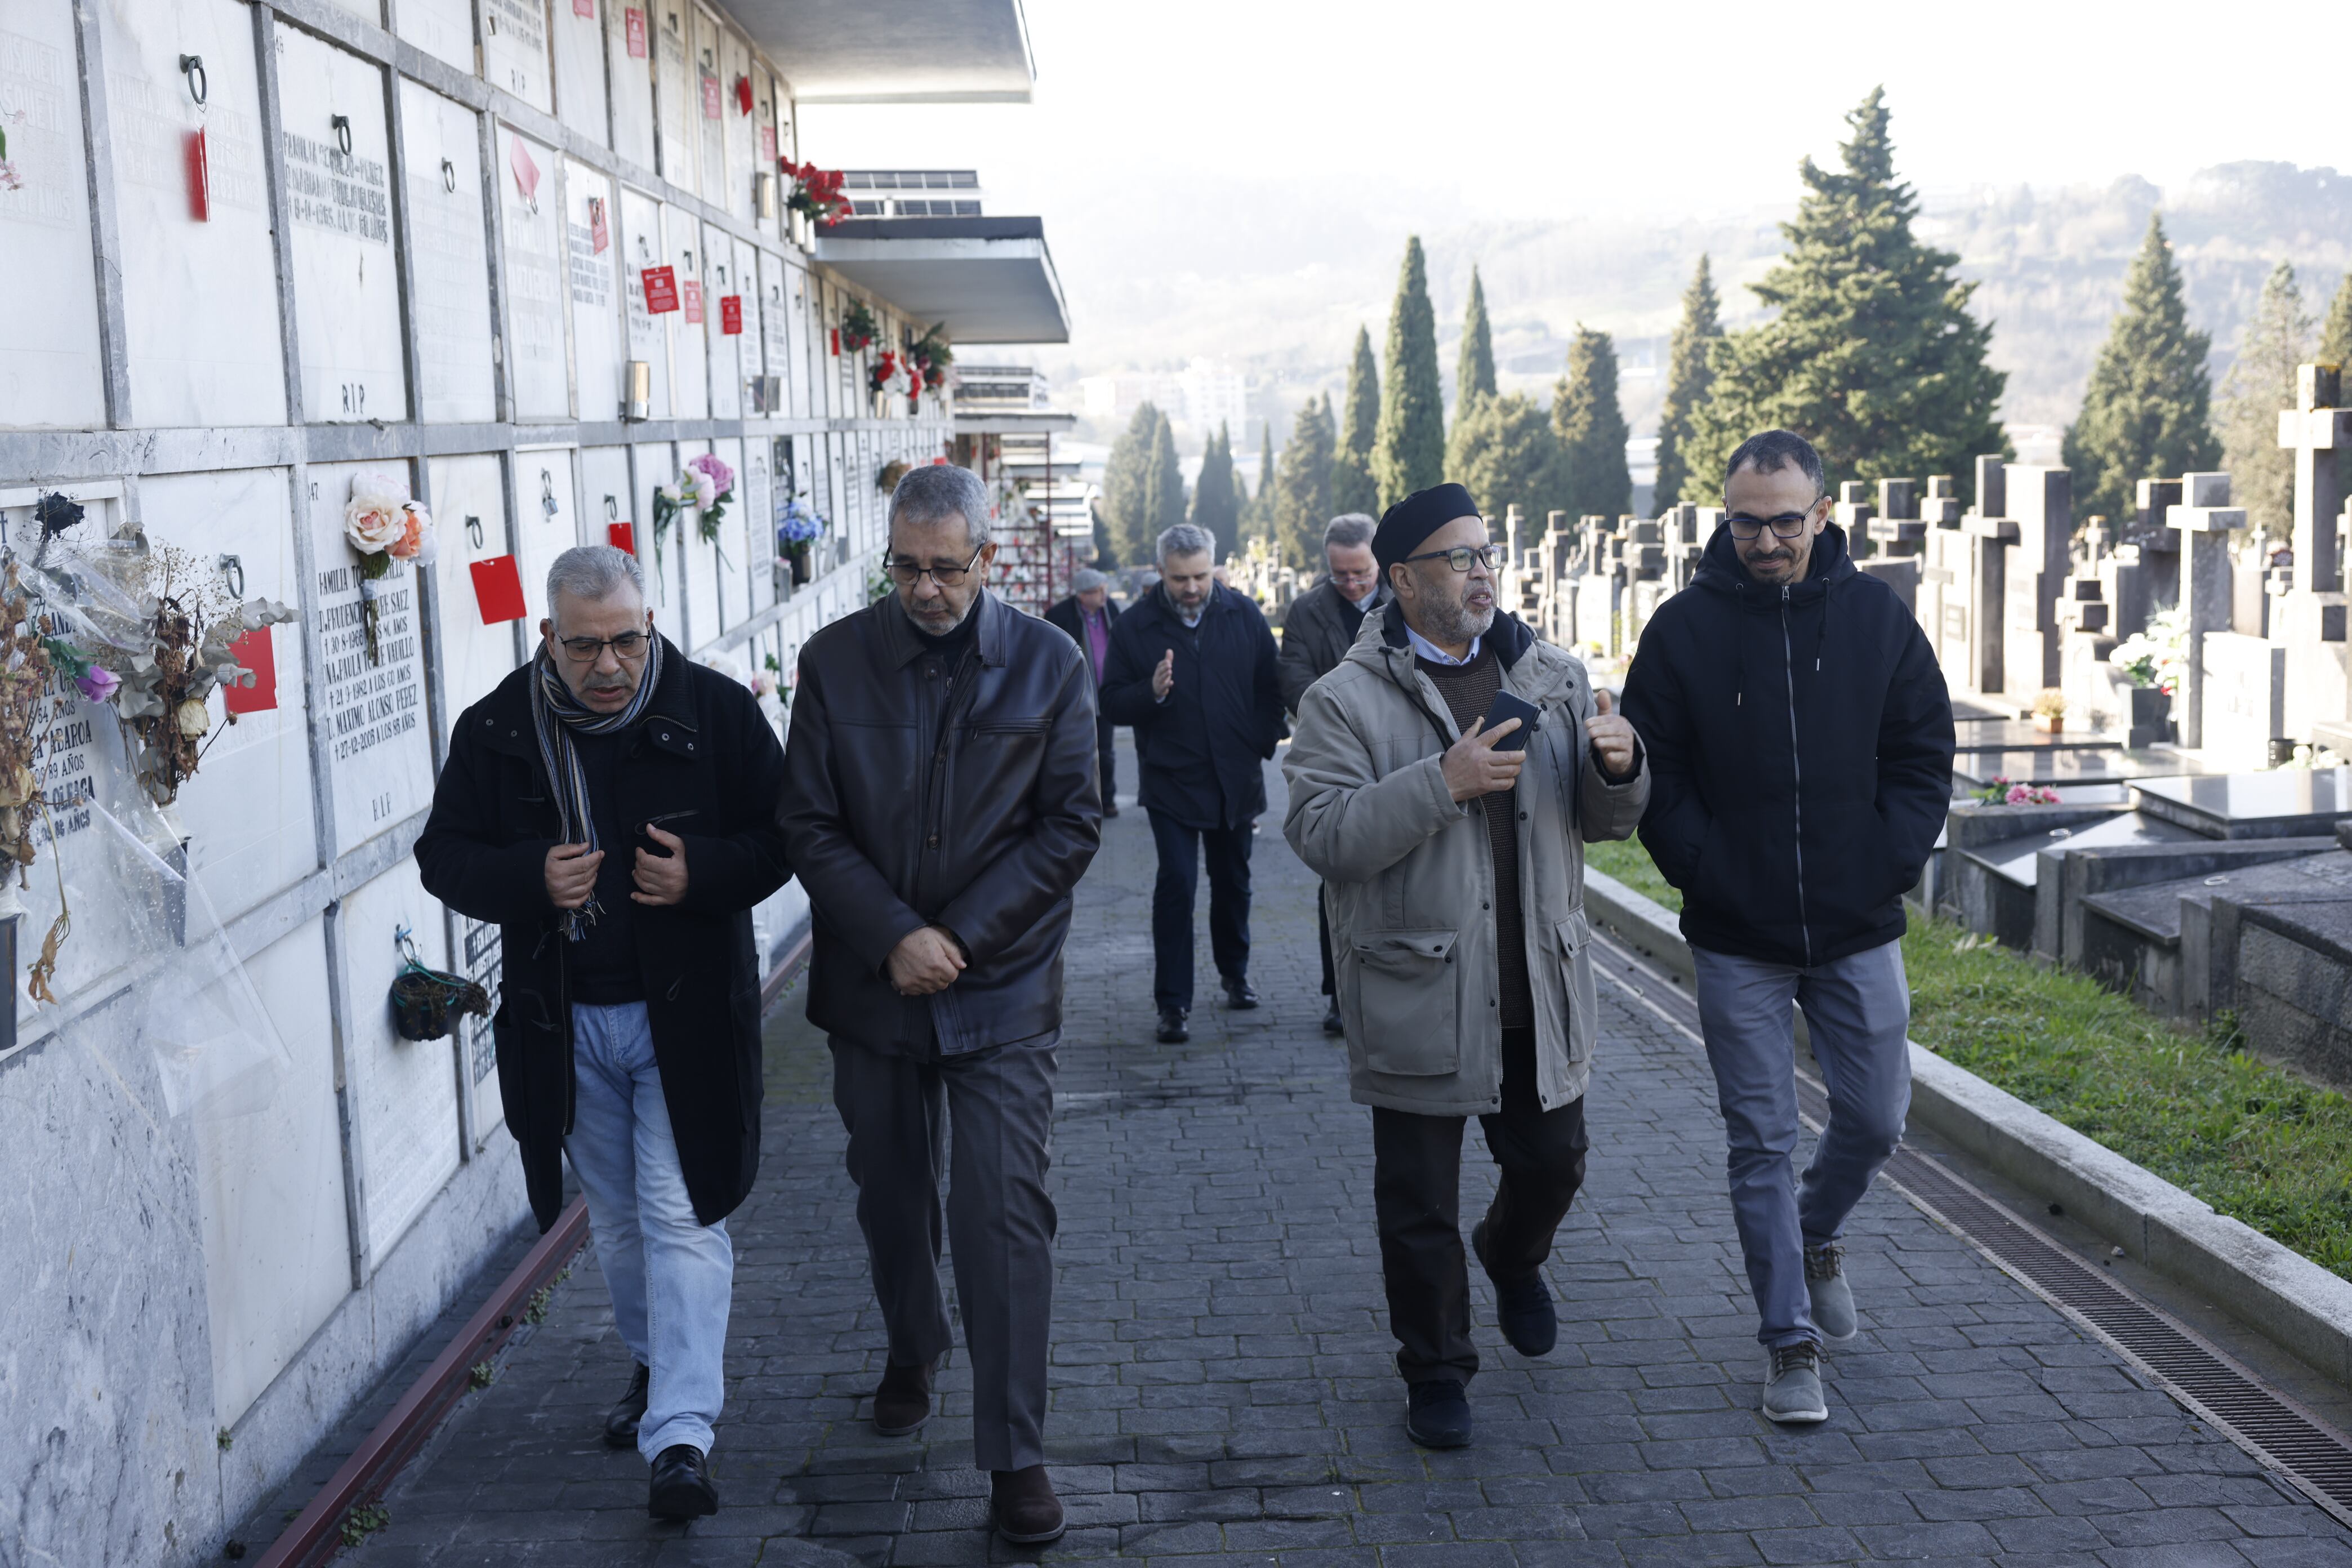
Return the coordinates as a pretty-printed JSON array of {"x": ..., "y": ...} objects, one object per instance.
[
  {"x": 1216, "y": 500},
  {"x": 2277, "y": 340},
  {"x": 1126, "y": 482},
  {"x": 1163, "y": 486},
  {"x": 1591, "y": 426},
  {"x": 1353, "y": 487},
  {"x": 2148, "y": 410},
  {"x": 1687, "y": 380},
  {"x": 1259, "y": 513},
  {"x": 1409, "y": 446},
  {"x": 2336, "y": 337},
  {"x": 1872, "y": 355},
  {"x": 1503, "y": 447},
  {"x": 1475, "y": 375},
  {"x": 1302, "y": 490}
]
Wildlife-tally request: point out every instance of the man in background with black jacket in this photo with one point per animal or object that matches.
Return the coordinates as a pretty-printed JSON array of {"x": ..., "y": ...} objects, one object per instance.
[
  {"x": 1318, "y": 630},
  {"x": 1800, "y": 747},
  {"x": 1085, "y": 616}
]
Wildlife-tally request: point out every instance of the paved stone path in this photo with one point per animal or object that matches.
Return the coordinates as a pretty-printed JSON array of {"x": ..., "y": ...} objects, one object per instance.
[{"x": 1224, "y": 1392}]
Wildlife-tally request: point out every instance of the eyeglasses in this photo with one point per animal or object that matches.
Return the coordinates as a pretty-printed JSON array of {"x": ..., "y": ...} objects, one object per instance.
[
  {"x": 628, "y": 647},
  {"x": 1460, "y": 557},
  {"x": 1787, "y": 525},
  {"x": 906, "y": 573}
]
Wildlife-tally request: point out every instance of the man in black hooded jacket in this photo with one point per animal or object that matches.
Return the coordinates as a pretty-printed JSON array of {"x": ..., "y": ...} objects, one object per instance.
[{"x": 1800, "y": 738}]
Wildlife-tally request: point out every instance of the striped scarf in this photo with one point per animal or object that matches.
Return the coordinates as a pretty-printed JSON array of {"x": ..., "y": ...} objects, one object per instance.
[{"x": 555, "y": 715}]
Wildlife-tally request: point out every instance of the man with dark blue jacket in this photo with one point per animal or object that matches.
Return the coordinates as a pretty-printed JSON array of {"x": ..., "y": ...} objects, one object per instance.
[
  {"x": 1192, "y": 671},
  {"x": 1793, "y": 824}
]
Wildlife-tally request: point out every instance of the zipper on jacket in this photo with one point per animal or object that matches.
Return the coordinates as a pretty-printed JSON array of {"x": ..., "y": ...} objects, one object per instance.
[{"x": 1797, "y": 772}]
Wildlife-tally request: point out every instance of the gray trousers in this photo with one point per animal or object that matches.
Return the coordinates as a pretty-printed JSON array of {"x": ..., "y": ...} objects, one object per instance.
[
  {"x": 897, "y": 1111},
  {"x": 1857, "y": 1010}
]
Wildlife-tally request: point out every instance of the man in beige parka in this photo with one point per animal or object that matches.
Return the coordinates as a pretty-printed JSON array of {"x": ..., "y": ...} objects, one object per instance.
[{"x": 1454, "y": 865}]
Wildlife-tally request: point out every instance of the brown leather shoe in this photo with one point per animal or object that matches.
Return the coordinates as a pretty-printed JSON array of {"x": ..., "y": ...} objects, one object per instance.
[
  {"x": 903, "y": 1402},
  {"x": 1025, "y": 1508}
]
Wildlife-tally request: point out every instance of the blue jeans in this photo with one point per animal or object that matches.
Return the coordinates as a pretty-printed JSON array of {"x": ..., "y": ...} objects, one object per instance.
[
  {"x": 1857, "y": 1013},
  {"x": 670, "y": 1276}
]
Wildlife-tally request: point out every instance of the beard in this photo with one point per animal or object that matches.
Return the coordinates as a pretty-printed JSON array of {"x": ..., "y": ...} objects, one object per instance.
[{"x": 1457, "y": 622}]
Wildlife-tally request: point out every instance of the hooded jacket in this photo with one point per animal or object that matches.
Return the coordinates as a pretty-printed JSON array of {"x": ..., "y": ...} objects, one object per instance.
[
  {"x": 1408, "y": 871},
  {"x": 1801, "y": 748}
]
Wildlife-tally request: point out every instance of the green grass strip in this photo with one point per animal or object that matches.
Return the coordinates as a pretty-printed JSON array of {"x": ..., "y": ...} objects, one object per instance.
[{"x": 2256, "y": 1142}]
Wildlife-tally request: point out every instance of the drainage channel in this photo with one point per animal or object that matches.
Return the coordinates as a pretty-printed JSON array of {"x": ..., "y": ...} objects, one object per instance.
[{"x": 2297, "y": 1446}]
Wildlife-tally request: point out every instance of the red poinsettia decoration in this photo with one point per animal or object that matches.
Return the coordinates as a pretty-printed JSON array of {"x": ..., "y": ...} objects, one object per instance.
[
  {"x": 816, "y": 191},
  {"x": 884, "y": 371}
]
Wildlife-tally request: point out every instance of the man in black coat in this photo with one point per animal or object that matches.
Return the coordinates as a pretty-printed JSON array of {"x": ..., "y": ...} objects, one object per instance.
[
  {"x": 1318, "y": 630},
  {"x": 1192, "y": 671},
  {"x": 1086, "y": 617},
  {"x": 613, "y": 808},
  {"x": 941, "y": 810},
  {"x": 1801, "y": 759}
]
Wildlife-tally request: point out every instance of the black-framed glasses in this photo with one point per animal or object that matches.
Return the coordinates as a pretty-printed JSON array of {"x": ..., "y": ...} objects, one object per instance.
[
  {"x": 1460, "y": 556},
  {"x": 1787, "y": 525},
  {"x": 906, "y": 573},
  {"x": 628, "y": 647}
]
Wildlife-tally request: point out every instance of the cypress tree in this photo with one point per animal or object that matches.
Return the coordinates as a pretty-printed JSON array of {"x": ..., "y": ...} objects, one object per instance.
[
  {"x": 1475, "y": 375},
  {"x": 1163, "y": 486},
  {"x": 1302, "y": 490},
  {"x": 2336, "y": 337},
  {"x": 1126, "y": 482},
  {"x": 1216, "y": 503},
  {"x": 1260, "y": 512},
  {"x": 1503, "y": 447},
  {"x": 1353, "y": 487},
  {"x": 1408, "y": 445},
  {"x": 2277, "y": 340},
  {"x": 1591, "y": 427},
  {"x": 1872, "y": 355},
  {"x": 1687, "y": 380},
  {"x": 2148, "y": 409}
]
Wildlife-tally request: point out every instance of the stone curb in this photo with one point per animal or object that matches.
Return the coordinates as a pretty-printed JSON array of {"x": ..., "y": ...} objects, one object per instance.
[{"x": 2277, "y": 1292}]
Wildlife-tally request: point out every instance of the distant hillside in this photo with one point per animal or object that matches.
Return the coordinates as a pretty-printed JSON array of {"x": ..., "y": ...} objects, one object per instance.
[{"x": 2050, "y": 265}]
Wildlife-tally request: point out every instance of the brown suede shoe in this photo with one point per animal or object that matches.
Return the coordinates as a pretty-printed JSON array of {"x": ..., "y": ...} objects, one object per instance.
[
  {"x": 903, "y": 1402},
  {"x": 1023, "y": 1503}
]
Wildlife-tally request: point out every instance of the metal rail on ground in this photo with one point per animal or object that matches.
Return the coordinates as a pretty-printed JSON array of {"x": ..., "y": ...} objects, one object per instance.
[{"x": 2289, "y": 1441}]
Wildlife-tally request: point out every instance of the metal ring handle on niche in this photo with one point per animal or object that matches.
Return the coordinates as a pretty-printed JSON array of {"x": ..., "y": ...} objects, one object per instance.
[
  {"x": 547, "y": 501},
  {"x": 448, "y": 177},
  {"x": 612, "y": 510},
  {"x": 232, "y": 571},
  {"x": 199, "y": 85},
  {"x": 341, "y": 126},
  {"x": 474, "y": 531}
]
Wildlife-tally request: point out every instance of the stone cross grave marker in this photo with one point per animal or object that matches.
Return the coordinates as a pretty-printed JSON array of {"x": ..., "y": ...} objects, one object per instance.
[
  {"x": 2204, "y": 523},
  {"x": 2308, "y": 609}
]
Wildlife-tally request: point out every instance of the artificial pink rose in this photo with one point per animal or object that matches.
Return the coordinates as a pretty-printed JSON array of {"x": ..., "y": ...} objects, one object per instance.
[
  {"x": 714, "y": 467},
  {"x": 98, "y": 683}
]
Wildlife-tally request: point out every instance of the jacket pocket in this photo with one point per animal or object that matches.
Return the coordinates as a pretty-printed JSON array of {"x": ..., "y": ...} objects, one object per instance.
[
  {"x": 1408, "y": 1009},
  {"x": 1574, "y": 935}
]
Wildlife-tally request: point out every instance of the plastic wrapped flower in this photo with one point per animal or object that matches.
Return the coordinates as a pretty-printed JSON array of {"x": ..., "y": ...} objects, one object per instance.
[{"x": 98, "y": 683}]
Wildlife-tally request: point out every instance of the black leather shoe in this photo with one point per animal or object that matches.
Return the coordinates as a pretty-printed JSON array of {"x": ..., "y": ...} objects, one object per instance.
[
  {"x": 1332, "y": 1023},
  {"x": 1437, "y": 1414},
  {"x": 903, "y": 1403},
  {"x": 1111, "y": 809},
  {"x": 1023, "y": 1507},
  {"x": 1238, "y": 995},
  {"x": 1172, "y": 1027},
  {"x": 681, "y": 1485},
  {"x": 621, "y": 1420},
  {"x": 1524, "y": 1305}
]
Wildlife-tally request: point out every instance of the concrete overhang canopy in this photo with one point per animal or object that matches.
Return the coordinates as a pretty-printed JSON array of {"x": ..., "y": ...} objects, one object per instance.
[
  {"x": 894, "y": 51},
  {"x": 1030, "y": 423},
  {"x": 990, "y": 279}
]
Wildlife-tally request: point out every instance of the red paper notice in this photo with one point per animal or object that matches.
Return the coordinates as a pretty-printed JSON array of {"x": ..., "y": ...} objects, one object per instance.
[
  {"x": 526, "y": 173},
  {"x": 633, "y": 24},
  {"x": 200, "y": 178},
  {"x": 497, "y": 589},
  {"x": 661, "y": 290},
  {"x": 584, "y": 8},
  {"x": 730, "y": 314},
  {"x": 692, "y": 294},
  {"x": 622, "y": 536},
  {"x": 600, "y": 227},
  {"x": 253, "y": 651},
  {"x": 709, "y": 96},
  {"x": 767, "y": 145}
]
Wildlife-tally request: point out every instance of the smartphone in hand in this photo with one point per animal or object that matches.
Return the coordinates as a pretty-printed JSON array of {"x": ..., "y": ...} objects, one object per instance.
[{"x": 1506, "y": 706}]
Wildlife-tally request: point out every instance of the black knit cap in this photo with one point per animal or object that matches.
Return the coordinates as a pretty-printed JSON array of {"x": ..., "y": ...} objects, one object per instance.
[{"x": 1406, "y": 525}]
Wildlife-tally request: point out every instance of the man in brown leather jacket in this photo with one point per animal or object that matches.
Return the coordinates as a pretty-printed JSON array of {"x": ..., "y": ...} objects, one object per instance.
[{"x": 940, "y": 805}]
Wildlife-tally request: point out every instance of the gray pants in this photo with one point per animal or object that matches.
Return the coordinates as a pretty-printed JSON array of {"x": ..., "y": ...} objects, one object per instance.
[
  {"x": 1857, "y": 1010},
  {"x": 1001, "y": 1101}
]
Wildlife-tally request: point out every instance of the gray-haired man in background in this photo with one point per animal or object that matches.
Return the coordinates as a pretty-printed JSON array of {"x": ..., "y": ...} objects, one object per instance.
[
  {"x": 1086, "y": 617},
  {"x": 941, "y": 805},
  {"x": 1317, "y": 632}
]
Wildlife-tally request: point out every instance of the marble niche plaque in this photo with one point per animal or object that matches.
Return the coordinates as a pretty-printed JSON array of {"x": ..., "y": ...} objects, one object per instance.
[
  {"x": 648, "y": 334},
  {"x": 579, "y": 43},
  {"x": 722, "y": 279},
  {"x": 469, "y": 502},
  {"x": 372, "y": 712},
  {"x": 514, "y": 52},
  {"x": 675, "y": 100},
  {"x": 628, "y": 46},
  {"x": 547, "y": 523},
  {"x": 529, "y": 201},
  {"x": 49, "y": 375},
  {"x": 442, "y": 146},
  {"x": 593, "y": 255},
  {"x": 605, "y": 498},
  {"x": 690, "y": 359}
]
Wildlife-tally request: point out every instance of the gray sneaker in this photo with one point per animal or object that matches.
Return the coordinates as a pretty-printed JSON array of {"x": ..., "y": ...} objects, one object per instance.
[
  {"x": 1793, "y": 1384},
  {"x": 1833, "y": 1297}
]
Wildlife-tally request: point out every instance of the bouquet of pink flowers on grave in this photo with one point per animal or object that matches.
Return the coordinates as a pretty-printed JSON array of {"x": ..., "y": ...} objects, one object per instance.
[
  {"x": 2008, "y": 791},
  {"x": 708, "y": 485}
]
